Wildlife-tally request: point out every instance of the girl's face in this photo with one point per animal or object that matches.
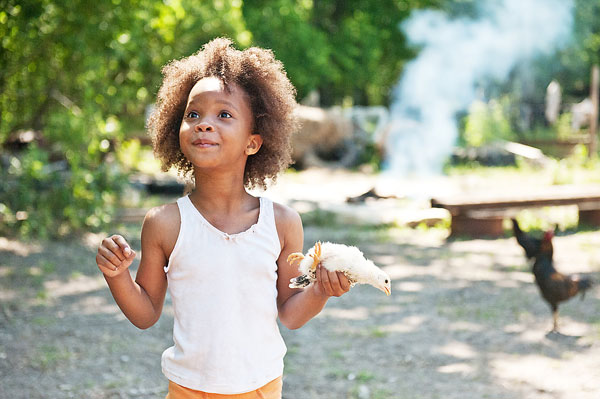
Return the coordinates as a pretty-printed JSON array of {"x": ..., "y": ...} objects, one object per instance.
[{"x": 216, "y": 130}]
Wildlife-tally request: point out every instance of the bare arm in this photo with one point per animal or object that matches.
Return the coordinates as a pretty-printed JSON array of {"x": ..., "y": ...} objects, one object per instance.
[
  {"x": 297, "y": 307},
  {"x": 141, "y": 300}
]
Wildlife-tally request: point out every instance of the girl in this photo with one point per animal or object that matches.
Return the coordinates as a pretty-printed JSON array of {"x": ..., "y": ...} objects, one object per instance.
[{"x": 225, "y": 116}]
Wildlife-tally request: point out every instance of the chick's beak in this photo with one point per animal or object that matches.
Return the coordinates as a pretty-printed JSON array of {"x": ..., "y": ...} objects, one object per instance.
[{"x": 387, "y": 291}]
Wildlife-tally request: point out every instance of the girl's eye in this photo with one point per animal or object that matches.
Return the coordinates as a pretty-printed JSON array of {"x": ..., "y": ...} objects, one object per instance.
[
  {"x": 224, "y": 114},
  {"x": 192, "y": 114}
]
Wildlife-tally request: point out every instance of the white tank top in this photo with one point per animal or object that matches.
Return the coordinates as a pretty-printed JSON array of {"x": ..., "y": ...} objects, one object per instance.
[{"x": 224, "y": 293}]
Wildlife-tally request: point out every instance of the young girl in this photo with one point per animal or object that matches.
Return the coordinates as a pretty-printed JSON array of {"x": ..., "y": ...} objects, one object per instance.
[{"x": 226, "y": 117}]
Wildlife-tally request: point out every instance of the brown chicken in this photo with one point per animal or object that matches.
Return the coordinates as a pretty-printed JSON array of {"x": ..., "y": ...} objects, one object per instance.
[{"x": 554, "y": 286}]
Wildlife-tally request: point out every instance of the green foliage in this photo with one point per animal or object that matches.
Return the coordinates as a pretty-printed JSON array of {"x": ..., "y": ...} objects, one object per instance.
[
  {"x": 370, "y": 156},
  {"x": 487, "y": 122},
  {"x": 135, "y": 157},
  {"x": 351, "y": 49},
  {"x": 578, "y": 167},
  {"x": 98, "y": 58},
  {"x": 576, "y": 60},
  {"x": 536, "y": 221},
  {"x": 321, "y": 218},
  {"x": 563, "y": 126},
  {"x": 46, "y": 199},
  {"x": 82, "y": 75}
]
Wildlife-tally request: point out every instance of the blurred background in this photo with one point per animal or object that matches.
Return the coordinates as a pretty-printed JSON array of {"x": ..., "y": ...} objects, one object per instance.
[{"x": 414, "y": 87}]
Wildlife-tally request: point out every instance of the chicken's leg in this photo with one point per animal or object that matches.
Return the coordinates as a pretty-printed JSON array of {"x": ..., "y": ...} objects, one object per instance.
[
  {"x": 555, "y": 319},
  {"x": 305, "y": 279},
  {"x": 295, "y": 257},
  {"x": 316, "y": 256}
]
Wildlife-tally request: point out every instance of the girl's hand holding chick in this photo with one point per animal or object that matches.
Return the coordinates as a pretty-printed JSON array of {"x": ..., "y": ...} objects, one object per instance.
[
  {"x": 331, "y": 283},
  {"x": 114, "y": 256}
]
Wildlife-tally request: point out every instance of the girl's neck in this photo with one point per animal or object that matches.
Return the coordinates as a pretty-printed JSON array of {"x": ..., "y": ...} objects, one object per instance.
[{"x": 219, "y": 193}]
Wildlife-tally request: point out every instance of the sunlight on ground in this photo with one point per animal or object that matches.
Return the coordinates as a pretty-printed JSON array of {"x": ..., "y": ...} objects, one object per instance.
[
  {"x": 19, "y": 248},
  {"x": 576, "y": 375},
  {"x": 74, "y": 286},
  {"x": 458, "y": 349},
  {"x": 359, "y": 313},
  {"x": 458, "y": 368},
  {"x": 409, "y": 286},
  {"x": 405, "y": 325},
  {"x": 465, "y": 326}
]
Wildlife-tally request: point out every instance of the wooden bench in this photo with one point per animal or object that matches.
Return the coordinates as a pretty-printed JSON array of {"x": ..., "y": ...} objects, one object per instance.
[{"x": 483, "y": 214}]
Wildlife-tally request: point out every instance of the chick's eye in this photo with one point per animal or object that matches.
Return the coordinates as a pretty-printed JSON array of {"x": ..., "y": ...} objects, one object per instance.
[
  {"x": 386, "y": 281},
  {"x": 224, "y": 114},
  {"x": 192, "y": 114}
]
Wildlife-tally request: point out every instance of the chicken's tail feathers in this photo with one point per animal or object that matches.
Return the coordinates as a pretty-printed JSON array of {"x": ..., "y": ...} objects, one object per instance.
[
  {"x": 584, "y": 284},
  {"x": 300, "y": 281}
]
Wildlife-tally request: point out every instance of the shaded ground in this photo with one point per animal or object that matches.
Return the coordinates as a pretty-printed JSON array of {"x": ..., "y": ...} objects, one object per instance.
[{"x": 464, "y": 321}]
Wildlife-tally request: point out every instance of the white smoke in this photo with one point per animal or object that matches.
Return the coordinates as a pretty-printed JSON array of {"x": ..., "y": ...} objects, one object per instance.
[{"x": 456, "y": 55}]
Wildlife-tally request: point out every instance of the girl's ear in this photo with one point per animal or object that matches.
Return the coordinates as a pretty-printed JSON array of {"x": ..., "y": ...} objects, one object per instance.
[{"x": 254, "y": 143}]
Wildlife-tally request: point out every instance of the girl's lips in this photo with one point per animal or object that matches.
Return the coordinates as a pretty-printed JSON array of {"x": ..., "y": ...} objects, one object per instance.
[{"x": 202, "y": 143}]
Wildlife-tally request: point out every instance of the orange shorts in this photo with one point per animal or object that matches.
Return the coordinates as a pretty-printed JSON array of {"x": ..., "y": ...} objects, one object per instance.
[{"x": 271, "y": 390}]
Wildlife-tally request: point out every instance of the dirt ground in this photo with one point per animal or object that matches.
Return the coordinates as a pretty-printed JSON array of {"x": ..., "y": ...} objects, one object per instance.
[{"x": 464, "y": 319}]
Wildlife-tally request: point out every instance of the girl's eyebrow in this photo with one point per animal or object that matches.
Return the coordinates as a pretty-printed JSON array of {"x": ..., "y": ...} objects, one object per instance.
[
  {"x": 227, "y": 103},
  {"x": 222, "y": 102}
]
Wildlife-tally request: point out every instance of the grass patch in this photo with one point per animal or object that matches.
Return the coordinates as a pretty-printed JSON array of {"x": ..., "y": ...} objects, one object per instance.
[
  {"x": 49, "y": 357},
  {"x": 365, "y": 376},
  {"x": 44, "y": 321},
  {"x": 25, "y": 277},
  {"x": 382, "y": 394},
  {"x": 48, "y": 267},
  {"x": 356, "y": 393},
  {"x": 377, "y": 332},
  {"x": 337, "y": 374},
  {"x": 320, "y": 218}
]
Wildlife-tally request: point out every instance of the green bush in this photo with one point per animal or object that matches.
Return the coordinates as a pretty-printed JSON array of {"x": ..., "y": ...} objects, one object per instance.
[
  {"x": 51, "y": 199},
  {"x": 82, "y": 76},
  {"x": 487, "y": 122}
]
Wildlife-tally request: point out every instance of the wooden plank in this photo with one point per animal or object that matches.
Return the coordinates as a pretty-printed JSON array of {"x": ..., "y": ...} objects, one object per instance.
[
  {"x": 552, "y": 196},
  {"x": 129, "y": 215},
  {"x": 455, "y": 208},
  {"x": 590, "y": 217},
  {"x": 463, "y": 225}
]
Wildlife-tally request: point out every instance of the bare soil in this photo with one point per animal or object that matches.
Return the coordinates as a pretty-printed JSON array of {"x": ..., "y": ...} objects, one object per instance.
[{"x": 464, "y": 320}]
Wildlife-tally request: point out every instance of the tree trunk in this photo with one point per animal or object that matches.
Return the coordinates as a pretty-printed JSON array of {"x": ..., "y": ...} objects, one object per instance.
[{"x": 595, "y": 82}]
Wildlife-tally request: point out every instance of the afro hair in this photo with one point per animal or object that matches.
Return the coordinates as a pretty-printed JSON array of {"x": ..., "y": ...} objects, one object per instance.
[{"x": 272, "y": 102}]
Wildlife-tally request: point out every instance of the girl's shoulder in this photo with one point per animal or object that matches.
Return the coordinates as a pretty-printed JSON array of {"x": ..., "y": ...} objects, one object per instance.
[
  {"x": 164, "y": 220},
  {"x": 289, "y": 230},
  {"x": 287, "y": 219},
  {"x": 284, "y": 213},
  {"x": 163, "y": 214},
  {"x": 161, "y": 226}
]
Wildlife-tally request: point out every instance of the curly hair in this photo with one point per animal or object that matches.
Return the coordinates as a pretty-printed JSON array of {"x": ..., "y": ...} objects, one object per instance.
[{"x": 272, "y": 102}]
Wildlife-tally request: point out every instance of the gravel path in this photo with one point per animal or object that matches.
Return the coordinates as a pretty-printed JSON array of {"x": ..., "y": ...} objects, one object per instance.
[{"x": 464, "y": 321}]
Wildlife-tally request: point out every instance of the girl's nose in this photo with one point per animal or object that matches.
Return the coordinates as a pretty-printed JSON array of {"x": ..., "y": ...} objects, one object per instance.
[{"x": 204, "y": 126}]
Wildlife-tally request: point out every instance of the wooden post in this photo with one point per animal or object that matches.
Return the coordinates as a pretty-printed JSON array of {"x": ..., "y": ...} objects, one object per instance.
[{"x": 595, "y": 83}]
